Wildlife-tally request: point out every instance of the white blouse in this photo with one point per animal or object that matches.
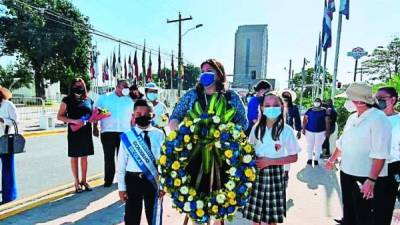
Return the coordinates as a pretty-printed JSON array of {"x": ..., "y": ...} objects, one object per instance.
[
  {"x": 365, "y": 138},
  {"x": 269, "y": 148},
  {"x": 8, "y": 111}
]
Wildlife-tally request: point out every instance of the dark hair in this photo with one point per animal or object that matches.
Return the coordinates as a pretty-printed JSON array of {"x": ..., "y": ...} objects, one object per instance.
[
  {"x": 221, "y": 76},
  {"x": 317, "y": 100},
  {"x": 261, "y": 125},
  {"x": 121, "y": 80},
  {"x": 391, "y": 91},
  {"x": 80, "y": 80},
  {"x": 134, "y": 87},
  {"x": 262, "y": 84},
  {"x": 142, "y": 102},
  {"x": 290, "y": 101}
]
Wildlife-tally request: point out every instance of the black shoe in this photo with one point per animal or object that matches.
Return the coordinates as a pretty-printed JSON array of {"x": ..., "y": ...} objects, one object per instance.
[
  {"x": 309, "y": 162},
  {"x": 339, "y": 221},
  {"x": 315, "y": 162}
]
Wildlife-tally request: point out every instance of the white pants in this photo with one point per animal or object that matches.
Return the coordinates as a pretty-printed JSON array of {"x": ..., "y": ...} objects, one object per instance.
[{"x": 314, "y": 143}]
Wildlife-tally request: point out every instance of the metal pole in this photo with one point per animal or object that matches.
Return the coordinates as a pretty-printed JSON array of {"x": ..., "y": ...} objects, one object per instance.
[
  {"x": 339, "y": 32},
  {"x": 303, "y": 75},
  {"x": 180, "y": 83},
  {"x": 324, "y": 75},
  {"x": 361, "y": 73},
  {"x": 290, "y": 71},
  {"x": 355, "y": 70}
]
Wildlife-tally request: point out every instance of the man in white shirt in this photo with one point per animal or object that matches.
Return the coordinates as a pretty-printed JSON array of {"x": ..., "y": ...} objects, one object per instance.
[
  {"x": 120, "y": 105},
  {"x": 133, "y": 184},
  {"x": 160, "y": 109}
]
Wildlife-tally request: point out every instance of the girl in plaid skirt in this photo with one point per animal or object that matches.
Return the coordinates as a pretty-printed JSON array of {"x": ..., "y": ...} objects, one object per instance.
[{"x": 276, "y": 145}]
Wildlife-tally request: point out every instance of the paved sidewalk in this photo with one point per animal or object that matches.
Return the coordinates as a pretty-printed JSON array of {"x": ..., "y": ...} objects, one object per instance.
[{"x": 313, "y": 199}]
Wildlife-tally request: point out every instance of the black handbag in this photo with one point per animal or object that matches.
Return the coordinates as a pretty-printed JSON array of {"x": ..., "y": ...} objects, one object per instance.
[{"x": 12, "y": 143}]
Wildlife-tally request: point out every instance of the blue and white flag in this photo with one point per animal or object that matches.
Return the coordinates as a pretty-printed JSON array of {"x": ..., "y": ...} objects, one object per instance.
[
  {"x": 327, "y": 25},
  {"x": 345, "y": 8},
  {"x": 138, "y": 150}
]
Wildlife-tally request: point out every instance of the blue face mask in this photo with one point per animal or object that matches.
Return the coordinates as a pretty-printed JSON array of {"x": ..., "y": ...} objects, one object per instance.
[
  {"x": 207, "y": 79},
  {"x": 272, "y": 112},
  {"x": 152, "y": 96}
]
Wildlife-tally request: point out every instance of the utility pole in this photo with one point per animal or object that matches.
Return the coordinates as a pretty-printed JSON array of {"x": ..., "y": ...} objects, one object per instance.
[
  {"x": 290, "y": 71},
  {"x": 180, "y": 64}
]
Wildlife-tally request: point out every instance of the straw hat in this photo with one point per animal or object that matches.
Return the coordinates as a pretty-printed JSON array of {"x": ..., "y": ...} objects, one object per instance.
[
  {"x": 360, "y": 91},
  {"x": 292, "y": 93},
  {"x": 6, "y": 93}
]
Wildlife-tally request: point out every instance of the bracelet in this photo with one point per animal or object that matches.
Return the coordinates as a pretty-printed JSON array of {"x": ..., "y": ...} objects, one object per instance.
[{"x": 371, "y": 179}]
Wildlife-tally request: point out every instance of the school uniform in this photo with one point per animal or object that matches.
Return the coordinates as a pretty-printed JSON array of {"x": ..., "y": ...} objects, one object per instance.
[
  {"x": 132, "y": 180},
  {"x": 268, "y": 198}
]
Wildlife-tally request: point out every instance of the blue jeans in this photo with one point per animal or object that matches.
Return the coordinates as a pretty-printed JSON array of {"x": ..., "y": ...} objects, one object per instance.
[{"x": 8, "y": 181}]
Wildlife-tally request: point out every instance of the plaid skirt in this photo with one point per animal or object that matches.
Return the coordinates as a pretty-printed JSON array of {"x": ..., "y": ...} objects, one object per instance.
[{"x": 267, "y": 201}]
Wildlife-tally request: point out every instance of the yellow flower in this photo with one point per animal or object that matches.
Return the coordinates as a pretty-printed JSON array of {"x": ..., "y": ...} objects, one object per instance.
[
  {"x": 186, "y": 138},
  {"x": 177, "y": 182},
  {"x": 188, "y": 123},
  {"x": 176, "y": 165},
  {"x": 196, "y": 136},
  {"x": 178, "y": 149},
  {"x": 163, "y": 148},
  {"x": 217, "y": 134},
  {"x": 172, "y": 135},
  {"x": 214, "y": 209},
  {"x": 248, "y": 148},
  {"x": 231, "y": 194},
  {"x": 228, "y": 153},
  {"x": 192, "y": 192},
  {"x": 200, "y": 212},
  {"x": 252, "y": 177},
  {"x": 248, "y": 172},
  {"x": 242, "y": 134},
  {"x": 163, "y": 160},
  {"x": 181, "y": 198},
  {"x": 232, "y": 201}
]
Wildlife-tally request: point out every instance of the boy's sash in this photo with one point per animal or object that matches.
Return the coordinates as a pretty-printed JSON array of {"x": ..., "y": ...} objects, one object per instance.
[{"x": 144, "y": 158}]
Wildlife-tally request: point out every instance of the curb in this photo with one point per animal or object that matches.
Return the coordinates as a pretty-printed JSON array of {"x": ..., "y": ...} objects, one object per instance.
[
  {"x": 16, "y": 207},
  {"x": 31, "y": 134}
]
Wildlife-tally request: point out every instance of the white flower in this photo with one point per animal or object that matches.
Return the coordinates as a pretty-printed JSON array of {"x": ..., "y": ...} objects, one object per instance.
[
  {"x": 216, "y": 119},
  {"x": 184, "y": 190},
  {"x": 184, "y": 179},
  {"x": 228, "y": 161},
  {"x": 236, "y": 134},
  {"x": 186, "y": 207},
  {"x": 192, "y": 128},
  {"x": 249, "y": 185},
  {"x": 196, "y": 120},
  {"x": 247, "y": 158},
  {"x": 222, "y": 127},
  {"x": 230, "y": 185},
  {"x": 232, "y": 171},
  {"x": 221, "y": 198},
  {"x": 189, "y": 146},
  {"x": 162, "y": 180},
  {"x": 174, "y": 174},
  {"x": 209, "y": 204},
  {"x": 217, "y": 144},
  {"x": 190, "y": 198},
  {"x": 199, "y": 204}
]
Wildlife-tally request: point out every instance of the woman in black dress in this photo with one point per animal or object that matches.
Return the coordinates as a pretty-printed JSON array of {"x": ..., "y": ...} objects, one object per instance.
[{"x": 80, "y": 143}]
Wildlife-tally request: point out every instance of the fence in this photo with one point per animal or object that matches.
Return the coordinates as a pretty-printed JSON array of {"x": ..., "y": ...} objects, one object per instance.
[{"x": 31, "y": 109}]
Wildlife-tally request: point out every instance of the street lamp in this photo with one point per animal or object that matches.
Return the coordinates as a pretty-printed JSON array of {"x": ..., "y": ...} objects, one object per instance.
[
  {"x": 193, "y": 28},
  {"x": 15, "y": 80}
]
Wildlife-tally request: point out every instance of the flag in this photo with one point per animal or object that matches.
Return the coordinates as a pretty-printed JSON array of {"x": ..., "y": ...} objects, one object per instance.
[
  {"x": 119, "y": 65},
  {"x": 159, "y": 64},
  {"x": 149, "y": 73},
  {"x": 125, "y": 69},
  {"x": 130, "y": 74},
  {"x": 135, "y": 64},
  {"x": 106, "y": 67},
  {"x": 144, "y": 61},
  {"x": 114, "y": 68},
  {"x": 327, "y": 24},
  {"x": 345, "y": 8},
  {"x": 94, "y": 66}
]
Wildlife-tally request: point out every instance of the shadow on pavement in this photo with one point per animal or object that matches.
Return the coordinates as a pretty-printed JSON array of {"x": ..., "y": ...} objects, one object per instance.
[{"x": 100, "y": 206}]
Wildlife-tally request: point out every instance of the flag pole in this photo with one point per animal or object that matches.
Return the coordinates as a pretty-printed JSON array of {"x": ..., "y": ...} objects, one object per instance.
[
  {"x": 324, "y": 75},
  {"x": 339, "y": 32}
]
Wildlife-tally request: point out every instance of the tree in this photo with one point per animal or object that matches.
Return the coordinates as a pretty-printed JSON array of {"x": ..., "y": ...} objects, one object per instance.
[
  {"x": 308, "y": 81},
  {"x": 384, "y": 61},
  {"x": 15, "y": 76},
  {"x": 191, "y": 75},
  {"x": 56, "y": 51}
]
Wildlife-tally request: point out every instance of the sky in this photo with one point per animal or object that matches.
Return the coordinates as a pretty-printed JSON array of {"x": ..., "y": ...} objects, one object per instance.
[{"x": 293, "y": 28}]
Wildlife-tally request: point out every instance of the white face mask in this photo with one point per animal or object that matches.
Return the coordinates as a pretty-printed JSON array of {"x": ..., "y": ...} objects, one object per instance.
[
  {"x": 349, "y": 106},
  {"x": 125, "y": 92},
  {"x": 317, "y": 104}
]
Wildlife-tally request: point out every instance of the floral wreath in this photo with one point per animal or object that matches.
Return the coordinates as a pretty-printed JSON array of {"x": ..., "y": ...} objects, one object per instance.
[{"x": 212, "y": 136}]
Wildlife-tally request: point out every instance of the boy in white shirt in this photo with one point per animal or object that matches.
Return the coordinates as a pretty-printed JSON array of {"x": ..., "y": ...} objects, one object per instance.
[{"x": 137, "y": 170}]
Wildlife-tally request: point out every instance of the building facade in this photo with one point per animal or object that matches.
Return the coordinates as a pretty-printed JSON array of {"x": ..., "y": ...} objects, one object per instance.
[{"x": 251, "y": 55}]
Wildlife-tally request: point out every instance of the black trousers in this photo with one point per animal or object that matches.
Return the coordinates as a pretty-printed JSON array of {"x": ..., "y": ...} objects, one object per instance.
[
  {"x": 356, "y": 210},
  {"x": 138, "y": 189},
  {"x": 110, "y": 142},
  {"x": 387, "y": 189}
]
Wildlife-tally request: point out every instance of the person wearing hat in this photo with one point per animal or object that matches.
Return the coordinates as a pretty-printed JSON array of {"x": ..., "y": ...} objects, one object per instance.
[
  {"x": 364, "y": 147},
  {"x": 159, "y": 108},
  {"x": 8, "y": 113},
  {"x": 260, "y": 89}
]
